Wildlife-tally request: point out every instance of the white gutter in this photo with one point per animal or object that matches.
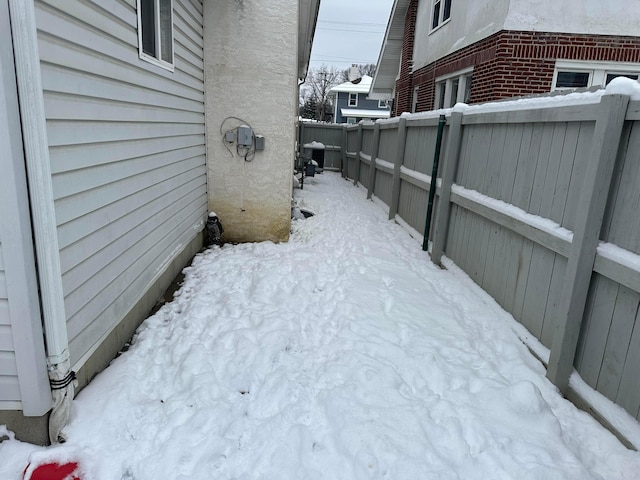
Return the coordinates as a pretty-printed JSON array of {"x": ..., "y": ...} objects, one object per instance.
[{"x": 36, "y": 146}]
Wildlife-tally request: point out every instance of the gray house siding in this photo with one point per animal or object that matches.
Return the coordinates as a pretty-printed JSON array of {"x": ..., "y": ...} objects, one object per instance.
[
  {"x": 363, "y": 104},
  {"x": 127, "y": 149},
  {"x": 23, "y": 374}
]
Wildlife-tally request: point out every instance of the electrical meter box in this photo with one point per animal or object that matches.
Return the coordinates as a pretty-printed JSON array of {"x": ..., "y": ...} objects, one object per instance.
[
  {"x": 245, "y": 136},
  {"x": 259, "y": 142}
]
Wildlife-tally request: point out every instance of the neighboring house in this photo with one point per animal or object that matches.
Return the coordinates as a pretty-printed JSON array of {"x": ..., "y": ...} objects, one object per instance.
[
  {"x": 440, "y": 52},
  {"x": 352, "y": 103},
  {"x": 113, "y": 142}
]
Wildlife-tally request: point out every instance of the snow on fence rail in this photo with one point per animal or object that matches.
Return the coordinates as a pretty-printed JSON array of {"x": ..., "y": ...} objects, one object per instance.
[{"x": 538, "y": 202}]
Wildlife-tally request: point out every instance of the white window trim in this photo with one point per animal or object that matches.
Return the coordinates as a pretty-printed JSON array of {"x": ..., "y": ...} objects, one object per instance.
[
  {"x": 447, "y": 81},
  {"x": 349, "y": 100},
  {"x": 382, "y": 104},
  {"x": 441, "y": 22},
  {"x": 597, "y": 71},
  {"x": 149, "y": 58}
]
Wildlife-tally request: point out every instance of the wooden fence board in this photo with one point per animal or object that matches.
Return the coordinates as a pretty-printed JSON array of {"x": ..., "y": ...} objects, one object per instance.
[
  {"x": 537, "y": 291},
  {"x": 576, "y": 183},
  {"x": 509, "y": 162},
  {"x": 564, "y": 172},
  {"x": 553, "y": 167},
  {"x": 617, "y": 345},
  {"x": 629, "y": 392},
  {"x": 553, "y": 300},
  {"x": 495, "y": 160},
  {"x": 542, "y": 165},
  {"x": 526, "y": 166}
]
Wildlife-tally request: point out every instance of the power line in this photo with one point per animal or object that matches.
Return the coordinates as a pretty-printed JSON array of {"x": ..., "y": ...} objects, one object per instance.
[
  {"x": 352, "y": 31},
  {"x": 338, "y": 22}
]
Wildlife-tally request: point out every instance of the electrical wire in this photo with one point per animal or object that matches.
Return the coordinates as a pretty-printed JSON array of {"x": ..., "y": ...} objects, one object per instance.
[{"x": 248, "y": 154}]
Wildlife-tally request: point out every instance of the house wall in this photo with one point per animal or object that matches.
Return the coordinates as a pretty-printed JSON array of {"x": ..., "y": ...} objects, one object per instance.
[
  {"x": 363, "y": 104},
  {"x": 473, "y": 21},
  {"x": 470, "y": 22},
  {"x": 251, "y": 71},
  {"x": 515, "y": 63},
  {"x": 127, "y": 151},
  {"x": 574, "y": 16}
]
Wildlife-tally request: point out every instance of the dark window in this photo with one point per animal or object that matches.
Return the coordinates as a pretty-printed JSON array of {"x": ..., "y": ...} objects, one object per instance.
[
  {"x": 447, "y": 10},
  {"x": 611, "y": 76},
  {"x": 572, "y": 79},
  {"x": 467, "y": 88},
  {"x": 436, "y": 15},
  {"x": 156, "y": 29},
  {"x": 148, "y": 21}
]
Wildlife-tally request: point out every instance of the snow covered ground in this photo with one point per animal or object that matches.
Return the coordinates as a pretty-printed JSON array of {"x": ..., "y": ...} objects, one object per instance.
[{"x": 343, "y": 354}]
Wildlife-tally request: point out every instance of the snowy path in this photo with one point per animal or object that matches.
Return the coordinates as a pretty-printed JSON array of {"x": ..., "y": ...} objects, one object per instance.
[{"x": 343, "y": 354}]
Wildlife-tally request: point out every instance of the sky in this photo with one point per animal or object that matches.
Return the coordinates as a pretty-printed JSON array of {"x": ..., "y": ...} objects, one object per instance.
[
  {"x": 349, "y": 31},
  {"x": 341, "y": 354}
]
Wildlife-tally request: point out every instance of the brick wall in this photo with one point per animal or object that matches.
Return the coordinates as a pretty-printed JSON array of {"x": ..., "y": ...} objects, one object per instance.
[
  {"x": 513, "y": 63},
  {"x": 404, "y": 84}
]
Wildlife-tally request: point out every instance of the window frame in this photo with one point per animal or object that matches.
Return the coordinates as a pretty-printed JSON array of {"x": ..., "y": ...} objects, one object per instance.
[
  {"x": 351, "y": 120},
  {"x": 444, "y": 85},
  {"x": 382, "y": 104},
  {"x": 439, "y": 8},
  {"x": 157, "y": 59},
  {"x": 598, "y": 71},
  {"x": 355, "y": 104}
]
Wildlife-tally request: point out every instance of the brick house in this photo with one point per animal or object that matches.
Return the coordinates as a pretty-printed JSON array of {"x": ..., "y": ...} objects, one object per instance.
[{"x": 440, "y": 52}]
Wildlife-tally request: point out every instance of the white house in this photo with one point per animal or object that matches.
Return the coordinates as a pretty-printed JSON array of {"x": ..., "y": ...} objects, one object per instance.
[{"x": 116, "y": 138}]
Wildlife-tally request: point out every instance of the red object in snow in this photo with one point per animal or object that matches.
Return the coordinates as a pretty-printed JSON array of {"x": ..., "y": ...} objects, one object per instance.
[{"x": 54, "y": 471}]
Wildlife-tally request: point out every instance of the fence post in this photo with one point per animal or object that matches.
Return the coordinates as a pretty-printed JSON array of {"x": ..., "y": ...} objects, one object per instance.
[
  {"x": 451, "y": 160},
  {"x": 356, "y": 177},
  {"x": 586, "y": 235},
  {"x": 374, "y": 153},
  {"x": 398, "y": 162},
  {"x": 344, "y": 159}
]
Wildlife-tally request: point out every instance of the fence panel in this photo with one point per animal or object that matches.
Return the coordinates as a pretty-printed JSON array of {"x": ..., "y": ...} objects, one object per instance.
[{"x": 530, "y": 168}]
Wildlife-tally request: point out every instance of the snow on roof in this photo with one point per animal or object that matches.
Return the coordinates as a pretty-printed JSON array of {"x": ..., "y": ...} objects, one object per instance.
[
  {"x": 355, "y": 112},
  {"x": 362, "y": 86}
]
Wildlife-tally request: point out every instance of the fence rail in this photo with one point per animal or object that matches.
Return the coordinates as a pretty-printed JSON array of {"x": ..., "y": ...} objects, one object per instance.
[{"x": 540, "y": 207}]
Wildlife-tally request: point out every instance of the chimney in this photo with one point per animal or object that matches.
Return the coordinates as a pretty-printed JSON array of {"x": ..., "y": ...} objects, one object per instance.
[{"x": 354, "y": 73}]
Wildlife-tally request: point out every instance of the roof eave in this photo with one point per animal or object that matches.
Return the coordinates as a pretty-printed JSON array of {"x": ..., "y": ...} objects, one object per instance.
[
  {"x": 388, "y": 66},
  {"x": 307, "y": 21}
]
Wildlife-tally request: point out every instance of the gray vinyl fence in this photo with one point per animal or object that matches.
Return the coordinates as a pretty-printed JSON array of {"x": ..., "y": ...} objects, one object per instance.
[
  {"x": 541, "y": 208},
  {"x": 330, "y": 135}
]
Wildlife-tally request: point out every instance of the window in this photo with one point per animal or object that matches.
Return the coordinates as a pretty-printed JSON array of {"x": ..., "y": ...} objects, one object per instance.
[
  {"x": 572, "y": 74},
  {"x": 453, "y": 88},
  {"x": 353, "y": 99},
  {"x": 382, "y": 104},
  {"x": 414, "y": 102},
  {"x": 351, "y": 120},
  {"x": 611, "y": 76},
  {"x": 441, "y": 13},
  {"x": 155, "y": 32},
  {"x": 572, "y": 79}
]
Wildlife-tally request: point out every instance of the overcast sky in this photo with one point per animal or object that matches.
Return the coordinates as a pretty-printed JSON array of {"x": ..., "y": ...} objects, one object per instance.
[{"x": 349, "y": 31}]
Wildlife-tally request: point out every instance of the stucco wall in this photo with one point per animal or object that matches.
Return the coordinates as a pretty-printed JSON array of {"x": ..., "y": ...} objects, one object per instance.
[
  {"x": 595, "y": 17},
  {"x": 250, "y": 73},
  {"x": 470, "y": 21}
]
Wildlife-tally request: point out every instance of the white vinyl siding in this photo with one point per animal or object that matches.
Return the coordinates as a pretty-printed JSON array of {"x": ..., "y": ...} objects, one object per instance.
[
  {"x": 9, "y": 386},
  {"x": 127, "y": 151}
]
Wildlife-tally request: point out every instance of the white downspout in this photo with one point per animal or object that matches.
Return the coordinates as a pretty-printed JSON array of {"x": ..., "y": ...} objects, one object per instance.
[{"x": 27, "y": 60}]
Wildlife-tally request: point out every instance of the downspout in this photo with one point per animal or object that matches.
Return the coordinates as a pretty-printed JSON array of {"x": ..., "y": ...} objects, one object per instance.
[
  {"x": 434, "y": 183},
  {"x": 32, "y": 114}
]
